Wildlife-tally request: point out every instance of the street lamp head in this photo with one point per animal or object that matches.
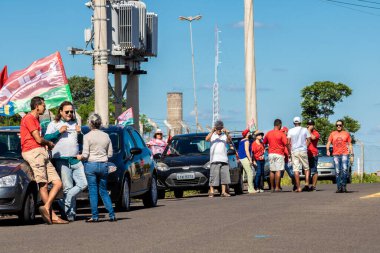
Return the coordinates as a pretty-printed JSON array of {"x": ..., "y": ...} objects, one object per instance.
[{"x": 190, "y": 18}]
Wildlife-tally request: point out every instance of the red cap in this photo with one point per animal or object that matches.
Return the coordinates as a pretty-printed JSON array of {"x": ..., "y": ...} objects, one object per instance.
[
  {"x": 245, "y": 132},
  {"x": 284, "y": 129}
]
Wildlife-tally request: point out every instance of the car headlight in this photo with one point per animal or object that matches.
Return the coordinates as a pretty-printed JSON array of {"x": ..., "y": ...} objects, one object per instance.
[
  {"x": 8, "y": 181},
  {"x": 207, "y": 165},
  {"x": 162, "y": 167},
  {"x": 326, "y": 165}
]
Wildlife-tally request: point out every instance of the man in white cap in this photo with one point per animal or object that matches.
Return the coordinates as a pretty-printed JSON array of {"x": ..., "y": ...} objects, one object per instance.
[
  {"x": 157, "y": 145},
  {"x": 299, "y": 139}
]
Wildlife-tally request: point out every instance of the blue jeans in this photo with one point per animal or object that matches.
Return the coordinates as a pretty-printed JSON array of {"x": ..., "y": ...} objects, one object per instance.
[
  {"x": 97, "y": 173},
  {"x": 259, "y": 174},
  {"x": 341, "y": 170},
  {"x": 289, "y": 170},
  {"x": 71, "y": 174}
]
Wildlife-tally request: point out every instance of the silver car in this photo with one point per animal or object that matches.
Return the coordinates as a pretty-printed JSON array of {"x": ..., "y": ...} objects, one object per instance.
[{"x": 326, "y": 167}]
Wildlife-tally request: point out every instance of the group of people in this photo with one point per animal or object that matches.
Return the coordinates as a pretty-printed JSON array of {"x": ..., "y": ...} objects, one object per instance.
[
  {"x": 71, "y": 171},
  {"x": 291, "y": 150}
]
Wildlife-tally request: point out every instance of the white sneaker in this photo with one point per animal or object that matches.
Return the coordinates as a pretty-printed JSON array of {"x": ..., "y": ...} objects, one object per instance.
[{"x": 261, "y": 190}]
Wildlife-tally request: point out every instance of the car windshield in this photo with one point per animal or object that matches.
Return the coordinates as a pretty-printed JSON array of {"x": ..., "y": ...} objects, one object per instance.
[
  {"x": 188, "y": 146},
  {"x": 322, "y": 151},
  {"x": 10, "y": 146}
]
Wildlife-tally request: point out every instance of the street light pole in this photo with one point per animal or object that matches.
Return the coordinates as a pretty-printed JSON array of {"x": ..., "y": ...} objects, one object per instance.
[{"x": 190, "y": 19}]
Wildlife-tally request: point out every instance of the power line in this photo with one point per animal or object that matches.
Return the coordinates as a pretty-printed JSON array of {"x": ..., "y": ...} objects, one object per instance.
[
  {"x": 358, "y": 5},
  {"x": 350, "y": 8}
]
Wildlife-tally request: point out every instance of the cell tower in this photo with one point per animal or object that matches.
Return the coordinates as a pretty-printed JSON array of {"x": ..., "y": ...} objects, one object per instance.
[{"x": 215, "y": 95}]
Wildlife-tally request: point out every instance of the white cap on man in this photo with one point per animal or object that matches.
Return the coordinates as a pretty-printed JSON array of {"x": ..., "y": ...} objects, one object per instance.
[{"x": 297, "y": 120}]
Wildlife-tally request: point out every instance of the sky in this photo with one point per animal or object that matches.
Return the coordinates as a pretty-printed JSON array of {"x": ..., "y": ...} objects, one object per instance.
[{"x": 297, "y": 42}]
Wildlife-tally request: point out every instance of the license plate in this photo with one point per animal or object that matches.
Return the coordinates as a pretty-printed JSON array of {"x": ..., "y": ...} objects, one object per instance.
[{"x": 184, "y": 176}]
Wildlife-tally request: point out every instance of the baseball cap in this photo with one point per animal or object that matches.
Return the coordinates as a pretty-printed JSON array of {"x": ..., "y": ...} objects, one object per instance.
[
  {"x": 310, "y": 122},
  {"x": 245, "y": 132},
  {"x": 284, "y": 129},
  {"x": 297, "y": 120}
]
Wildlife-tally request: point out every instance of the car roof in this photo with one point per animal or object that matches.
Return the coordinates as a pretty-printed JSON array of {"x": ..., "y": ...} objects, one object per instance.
[
  {"x": 190, "y": 135},
  {"x": 111, "y": 128}
]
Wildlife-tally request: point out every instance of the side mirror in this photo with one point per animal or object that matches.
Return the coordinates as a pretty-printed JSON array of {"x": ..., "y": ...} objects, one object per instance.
[
  {"x": 135, "y": 151},
  {"x": 231, "y": 152},
  {"x": 157, "y": 156}
]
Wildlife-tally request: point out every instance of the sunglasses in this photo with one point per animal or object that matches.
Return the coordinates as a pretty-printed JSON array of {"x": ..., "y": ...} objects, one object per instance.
[
  {"x": 338, "y": 125},
  {"x": 67, "y": 112}
]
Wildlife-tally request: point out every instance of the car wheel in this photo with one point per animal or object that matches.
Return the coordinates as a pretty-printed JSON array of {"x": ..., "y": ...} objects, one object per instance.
[
  {"x": 27, "y": 214},
  {"x": 178, "y": 193},
  {"x": 239, "y": 187},
  {"x": 333, "y": 181},
  {"x": 124, "y": 204},
  {"x": 150, "y": 198},
  {"x": 161, "y": 194}
]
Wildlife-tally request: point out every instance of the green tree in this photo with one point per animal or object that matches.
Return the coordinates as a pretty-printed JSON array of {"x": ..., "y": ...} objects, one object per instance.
[
  {"x": 318, "y": 103},
  {"x": 147, "y": 128}
]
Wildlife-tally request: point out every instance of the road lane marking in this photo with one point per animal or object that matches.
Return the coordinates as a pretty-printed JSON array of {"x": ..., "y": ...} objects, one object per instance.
[{"x": 375, "y": 195}]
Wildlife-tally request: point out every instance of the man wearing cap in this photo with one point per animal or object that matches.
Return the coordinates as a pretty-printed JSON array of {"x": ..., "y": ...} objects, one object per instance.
[
  {"x": 312, "y": 153},
  {"x": 299, "y": 139},
  {"x": 219, "y": 169},
  {"x": 245, "y": 159},
  {"x": 342, "y": 147},
  {"x": 277, "y": 143},
  {"x": 157, "y": 144}
]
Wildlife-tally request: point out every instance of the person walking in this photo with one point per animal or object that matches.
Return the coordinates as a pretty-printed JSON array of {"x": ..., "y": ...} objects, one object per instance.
[
  {"x": 157, "y": 145},
  {"x": 246, "y": 159},
  {"x": 219, "y": 169},
  {"x": 312, "y": 153},
  {"x": 342, "y": 148},
  {"x": 288, "y": 165},
  {"x": 277, "y": 142},
  {"x": 34, "y": 152},
  {"x": 299, "y": 139},
  {"x": 97, "y": 148},
  {"x": 64, "y": 131},
  {"x": 258, "y": 150}
]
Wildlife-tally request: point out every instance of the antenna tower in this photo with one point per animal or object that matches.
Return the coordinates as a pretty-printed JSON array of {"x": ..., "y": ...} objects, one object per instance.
[{"x": 215, "y": 95}]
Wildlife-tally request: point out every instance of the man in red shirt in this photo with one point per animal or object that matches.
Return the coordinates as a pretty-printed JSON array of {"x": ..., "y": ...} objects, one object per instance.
[
  {"x": 312, "y": 153},
  {"x": 342, "y": 147},
  {"x": 35, "y": 153},
  {"x": 277, "y": 143}
]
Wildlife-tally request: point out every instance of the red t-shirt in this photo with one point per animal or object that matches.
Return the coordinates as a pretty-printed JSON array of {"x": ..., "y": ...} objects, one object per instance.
[
  {"x": 312, "y": 149},
  {"x": 29, "y": 123},
  {"x": 277, "y": 141},
  {"x": 258, "y": 151},
  {"x": 340, "y": 141}
]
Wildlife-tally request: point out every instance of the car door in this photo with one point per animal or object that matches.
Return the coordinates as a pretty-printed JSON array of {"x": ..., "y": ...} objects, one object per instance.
[
  {"x": 129, "y": 161},
  {"x": 144, "y": 160},
  {"x": 234, "y": 168}
]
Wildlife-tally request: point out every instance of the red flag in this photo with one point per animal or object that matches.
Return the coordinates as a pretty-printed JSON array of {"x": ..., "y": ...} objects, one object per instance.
[{"x": 3, "y": 76}]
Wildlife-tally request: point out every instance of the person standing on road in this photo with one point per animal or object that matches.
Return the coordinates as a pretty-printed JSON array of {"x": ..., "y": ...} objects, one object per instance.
[
  {"x": 34, "y": 152},
  {"x": 97, "y": 148},
  {"x": 157, "y": 145},
  {"x": 219, "y": 169},
  {"x": 312, "y": 153},
  {"x": 245, "y": 159},
  {"x": 277, "y": 143},
  {"x": 299, "y": 139},
  {"x": 64, "y": 131},
  {"x": 342, "y": 147},
  {"x": 258, "y": 150},
  {"x": 288, "y": 165}
]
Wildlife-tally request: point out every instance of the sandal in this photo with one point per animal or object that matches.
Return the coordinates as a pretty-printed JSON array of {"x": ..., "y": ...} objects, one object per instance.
[
  {"x": 92, "y": 220},
  {"x": 210, "y": 194},
  {"x": 225, "y": 195}
]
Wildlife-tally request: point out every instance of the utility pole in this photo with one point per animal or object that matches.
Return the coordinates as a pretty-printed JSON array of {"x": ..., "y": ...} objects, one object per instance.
[
  {"x": 361, "y": 159},
  {"x": 101, "y": 60},
  {"x": 250, "y": 69},
  {"x": 215, "y": 104}
]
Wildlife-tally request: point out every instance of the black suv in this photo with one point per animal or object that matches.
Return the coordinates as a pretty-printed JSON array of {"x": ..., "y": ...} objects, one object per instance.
[{"x": 185, "y": 165}]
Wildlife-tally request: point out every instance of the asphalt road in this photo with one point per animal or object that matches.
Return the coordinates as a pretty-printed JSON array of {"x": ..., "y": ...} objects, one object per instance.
[{"x": 321, "y": 221}]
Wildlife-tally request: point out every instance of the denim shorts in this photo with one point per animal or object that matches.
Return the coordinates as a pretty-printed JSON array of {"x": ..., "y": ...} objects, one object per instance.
[{"x": 313, "y": 164}]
